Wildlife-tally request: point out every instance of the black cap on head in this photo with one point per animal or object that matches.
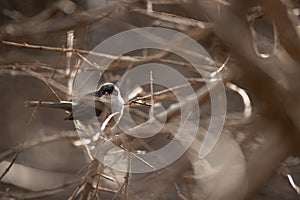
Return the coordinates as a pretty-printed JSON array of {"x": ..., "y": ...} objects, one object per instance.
[{"x": 106, "y": 88}]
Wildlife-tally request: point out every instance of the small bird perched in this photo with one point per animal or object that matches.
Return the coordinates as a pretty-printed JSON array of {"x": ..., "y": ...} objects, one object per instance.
[{"x": 85, "y": 102}]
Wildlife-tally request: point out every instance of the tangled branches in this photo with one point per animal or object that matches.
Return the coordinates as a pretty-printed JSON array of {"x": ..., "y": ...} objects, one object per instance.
[{"x": 256, "y": 47}]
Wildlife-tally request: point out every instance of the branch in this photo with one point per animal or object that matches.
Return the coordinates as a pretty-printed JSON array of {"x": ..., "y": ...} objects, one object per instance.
[{"x": 70, "y": 135}]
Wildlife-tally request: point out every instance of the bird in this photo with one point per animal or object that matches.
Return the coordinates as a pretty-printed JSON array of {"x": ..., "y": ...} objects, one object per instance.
[
  {"x": 94, "y": 99},
  {"x": 107, "y": 103}
]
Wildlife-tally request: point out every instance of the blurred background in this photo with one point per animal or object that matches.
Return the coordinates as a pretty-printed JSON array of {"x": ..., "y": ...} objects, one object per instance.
[{"x": 255, "y": 44}]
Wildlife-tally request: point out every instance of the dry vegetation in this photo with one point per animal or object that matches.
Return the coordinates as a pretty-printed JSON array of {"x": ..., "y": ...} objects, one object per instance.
[{"x": 255, "y": 44}]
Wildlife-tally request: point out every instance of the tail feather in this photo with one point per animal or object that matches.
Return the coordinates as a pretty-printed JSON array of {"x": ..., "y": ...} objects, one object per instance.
[{"x": 59, "y": 105}]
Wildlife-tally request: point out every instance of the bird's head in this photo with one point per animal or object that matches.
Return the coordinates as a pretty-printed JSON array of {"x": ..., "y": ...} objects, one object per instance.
[
  {"x": 111, "y": 91},
  {"x": 106, "y": 89}
]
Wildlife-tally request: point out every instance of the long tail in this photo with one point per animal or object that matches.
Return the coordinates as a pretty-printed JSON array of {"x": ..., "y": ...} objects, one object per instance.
[{"x": 59, "y": 105}]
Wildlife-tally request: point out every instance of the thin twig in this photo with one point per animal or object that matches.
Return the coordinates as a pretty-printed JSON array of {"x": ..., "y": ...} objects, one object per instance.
[
  {"x": 65, "y": 50},
  {"x": 127, "y": 172},
  {"x": 53, "y": 83},
  {"x": 173, "y": 18},
  {"x": 168, "y": 90},
  {"x": 89, "y": 177},
  {"x": 77, "y": 190},
  {"x": 37, "y": 142},
  {"x": 94, "y": 65},
  {"x": 47, "y": 82},
  {"x": 179, "y": 193},
  {"x": 44, "y": 193},
  {"x": 151, "y": 113},
  {"x": 99, "y": 172},
  {"x": 70, "y": 45}
]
